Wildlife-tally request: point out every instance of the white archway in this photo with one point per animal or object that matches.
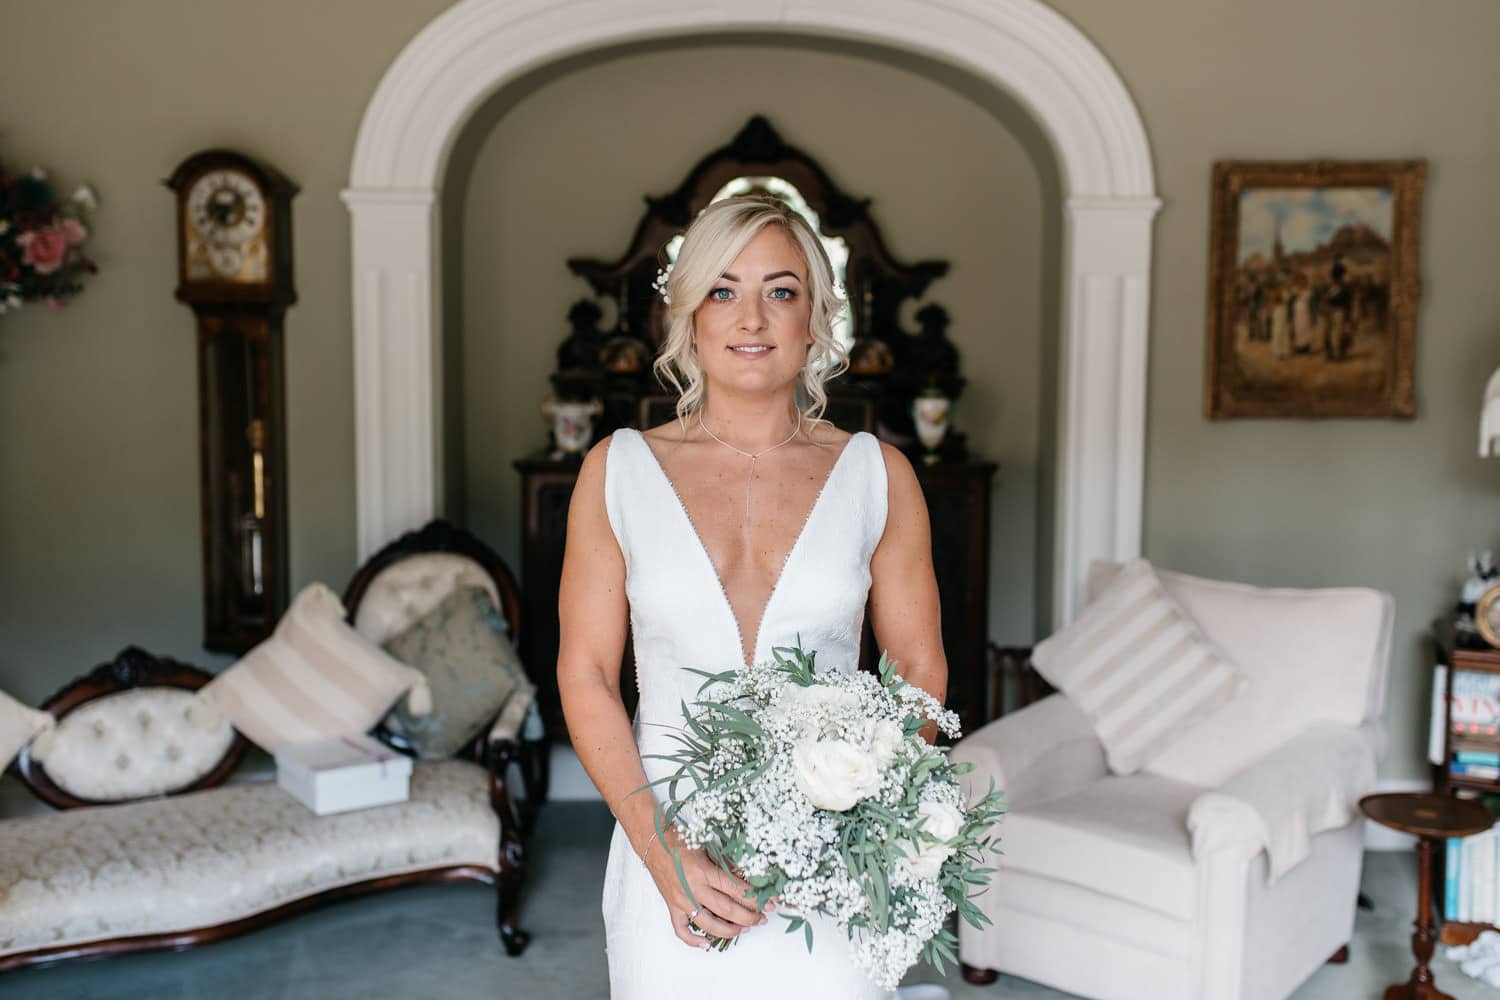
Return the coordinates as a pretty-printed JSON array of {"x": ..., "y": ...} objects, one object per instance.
[{"x": 1022, "y": 46}]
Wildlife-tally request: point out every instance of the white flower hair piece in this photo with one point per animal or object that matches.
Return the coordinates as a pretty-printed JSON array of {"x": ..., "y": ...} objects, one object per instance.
[{"x": 660, "y": 284}]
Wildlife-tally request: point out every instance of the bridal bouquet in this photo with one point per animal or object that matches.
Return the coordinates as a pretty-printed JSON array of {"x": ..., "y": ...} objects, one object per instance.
[{"x": 816, "y": 789}]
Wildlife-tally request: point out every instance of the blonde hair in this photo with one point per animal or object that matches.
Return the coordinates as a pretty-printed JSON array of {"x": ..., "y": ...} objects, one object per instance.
[{"x": 709, "y": 246}]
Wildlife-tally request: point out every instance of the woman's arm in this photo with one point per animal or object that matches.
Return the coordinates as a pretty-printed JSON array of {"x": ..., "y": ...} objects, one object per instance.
[
  {"x": 904, "y": 609},
  {"x": 592, "y": 613}
]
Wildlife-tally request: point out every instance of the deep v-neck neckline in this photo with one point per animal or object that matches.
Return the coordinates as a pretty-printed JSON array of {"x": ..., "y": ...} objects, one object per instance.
[{"x": 786, "y": 560}]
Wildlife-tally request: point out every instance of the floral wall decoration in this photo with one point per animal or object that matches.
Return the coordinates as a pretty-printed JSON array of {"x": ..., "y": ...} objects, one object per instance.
[{"x": 41, "y": 240}]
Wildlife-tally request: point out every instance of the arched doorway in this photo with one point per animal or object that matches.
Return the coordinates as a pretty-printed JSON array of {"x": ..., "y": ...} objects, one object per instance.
[{"x": 1021, "y": 46}]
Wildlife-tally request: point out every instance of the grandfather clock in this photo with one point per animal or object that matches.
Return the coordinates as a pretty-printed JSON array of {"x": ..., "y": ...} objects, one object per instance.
[{"x": 234, "y": 268}]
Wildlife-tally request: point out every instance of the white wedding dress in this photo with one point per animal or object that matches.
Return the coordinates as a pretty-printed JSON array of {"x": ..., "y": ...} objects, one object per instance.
[{"x": 680, "y": 616}]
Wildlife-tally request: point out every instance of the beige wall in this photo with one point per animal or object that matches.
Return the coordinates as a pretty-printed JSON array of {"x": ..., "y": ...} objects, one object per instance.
[
  {"x": 1383, "y": 503},
  {"x": 98, "y": 450},
  {"x": 99, "y": 512}
]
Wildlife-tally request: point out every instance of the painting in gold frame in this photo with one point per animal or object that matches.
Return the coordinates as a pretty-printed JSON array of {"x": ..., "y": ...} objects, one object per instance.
[{"x": 1313, "y": 288}]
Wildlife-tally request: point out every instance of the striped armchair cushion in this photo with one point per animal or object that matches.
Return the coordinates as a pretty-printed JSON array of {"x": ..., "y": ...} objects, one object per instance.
[{"x": 1139, "y": 667}]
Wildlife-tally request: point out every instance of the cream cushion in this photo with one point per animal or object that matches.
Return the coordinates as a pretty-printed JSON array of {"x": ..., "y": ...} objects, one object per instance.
[
  {"x": 1138, "y": 667},
  {"x": 404, "y": 592},
  {"x": 1305, "y": 652},
  {"x": 223, "y": 854},
  {"x": 19, "y": 725},
  {"x": 1124, "y": 836},
  {"x": 315, "y": 678},
  {"x": 133, "y": 744}
]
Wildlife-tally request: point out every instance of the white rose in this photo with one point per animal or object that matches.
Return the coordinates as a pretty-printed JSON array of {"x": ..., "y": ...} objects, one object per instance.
[
  {"x": 834, "y": 774},
  {"x": 925, "y": 859},
  {"x": 884, "y": 739}
]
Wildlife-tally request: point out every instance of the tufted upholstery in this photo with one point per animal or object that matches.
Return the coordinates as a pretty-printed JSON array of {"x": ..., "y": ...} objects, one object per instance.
[
  {"x": 407, "y": 590},
  {"x": 133, "y": 744},
  {"x": 224, "y": 854}
]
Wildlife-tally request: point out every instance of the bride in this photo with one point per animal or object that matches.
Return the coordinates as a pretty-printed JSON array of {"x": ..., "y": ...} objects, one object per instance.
[{"x": 747, "y": 523}]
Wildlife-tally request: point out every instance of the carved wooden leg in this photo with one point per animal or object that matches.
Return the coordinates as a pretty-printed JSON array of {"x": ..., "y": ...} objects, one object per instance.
[
  {"x": 1339, "y": 957},
  {"x": 512, "y": 857},
  {"x": 979, "y": 977},
  {"x": 1420, "y": 986},
  {"x": 508, "y": 904}
]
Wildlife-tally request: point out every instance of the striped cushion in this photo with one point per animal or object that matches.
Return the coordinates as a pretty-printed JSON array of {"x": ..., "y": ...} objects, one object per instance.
[
  {"x": 1138, "y": 666},
  {"x": 315, "y": 678}
]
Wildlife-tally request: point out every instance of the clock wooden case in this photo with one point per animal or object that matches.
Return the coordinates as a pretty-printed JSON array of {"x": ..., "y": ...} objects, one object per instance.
[{"x": 234, "y": 269}]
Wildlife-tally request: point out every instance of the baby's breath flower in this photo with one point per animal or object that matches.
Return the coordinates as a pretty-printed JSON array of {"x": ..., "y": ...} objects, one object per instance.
[{"x": 741, "y": 800}]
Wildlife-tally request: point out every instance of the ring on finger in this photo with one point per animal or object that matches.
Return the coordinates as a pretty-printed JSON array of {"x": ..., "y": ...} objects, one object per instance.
[{"x": 691, "y": 918}]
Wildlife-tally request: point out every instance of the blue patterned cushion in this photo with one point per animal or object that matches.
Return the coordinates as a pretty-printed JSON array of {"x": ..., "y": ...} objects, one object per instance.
[{"x": 461, "y": 646}]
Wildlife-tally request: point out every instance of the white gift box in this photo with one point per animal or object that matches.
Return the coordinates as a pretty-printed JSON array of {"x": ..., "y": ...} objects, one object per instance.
[{"x": 352, "y": 772}]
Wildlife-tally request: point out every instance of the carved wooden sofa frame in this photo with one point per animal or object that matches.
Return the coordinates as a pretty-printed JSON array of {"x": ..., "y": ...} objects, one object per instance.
[{"x": 505, "y": 755}]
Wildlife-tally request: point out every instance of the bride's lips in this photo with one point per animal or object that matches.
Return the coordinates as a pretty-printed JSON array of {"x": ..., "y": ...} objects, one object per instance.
[{"x": 751, "y": 350}]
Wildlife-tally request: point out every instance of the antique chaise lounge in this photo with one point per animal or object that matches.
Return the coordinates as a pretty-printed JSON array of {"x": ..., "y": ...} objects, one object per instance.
[{"x": 162, "y": 838}]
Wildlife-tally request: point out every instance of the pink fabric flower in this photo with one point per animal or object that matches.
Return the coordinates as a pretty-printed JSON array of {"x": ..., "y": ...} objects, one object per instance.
[
  {"x": 43, "y": 248},
  {"x": 73, "y": 231}
]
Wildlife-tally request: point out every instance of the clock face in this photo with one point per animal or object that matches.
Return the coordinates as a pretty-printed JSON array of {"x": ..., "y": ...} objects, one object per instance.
[
  {"x": 226, "y": 228},
  {"x": 1487, "y": 616}
]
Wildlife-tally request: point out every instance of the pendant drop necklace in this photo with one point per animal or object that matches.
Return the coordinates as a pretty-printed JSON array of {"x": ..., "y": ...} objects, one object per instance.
[{"x": 752, "y": 456}]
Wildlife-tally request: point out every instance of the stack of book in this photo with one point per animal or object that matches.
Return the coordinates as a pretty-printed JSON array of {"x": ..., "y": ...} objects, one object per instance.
[
  {"x": 1471, "y": 889},
  {"x": 1474, "y": 726}
]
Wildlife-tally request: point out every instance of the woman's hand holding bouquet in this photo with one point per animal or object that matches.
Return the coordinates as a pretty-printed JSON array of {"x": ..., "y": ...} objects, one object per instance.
[{"x": 816, "y": 789}]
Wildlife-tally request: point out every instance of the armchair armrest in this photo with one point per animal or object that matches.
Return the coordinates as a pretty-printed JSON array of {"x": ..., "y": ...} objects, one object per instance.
[
  {"x": 1046, "y": 750},
  {"x": 1311, "y": 784},
  {"x": 515, "y": 717}
]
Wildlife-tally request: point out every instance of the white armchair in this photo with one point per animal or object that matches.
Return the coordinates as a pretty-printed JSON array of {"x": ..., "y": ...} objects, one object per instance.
[{"x": 1228, "y": 867}]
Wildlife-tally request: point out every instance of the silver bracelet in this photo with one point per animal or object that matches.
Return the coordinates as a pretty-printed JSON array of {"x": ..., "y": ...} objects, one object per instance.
[{"x": 647, "y": 852}]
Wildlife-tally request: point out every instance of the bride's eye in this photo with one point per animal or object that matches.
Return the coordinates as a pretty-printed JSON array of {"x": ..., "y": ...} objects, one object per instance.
[
  {"x": 789, "y": 296},
  {"x": 714, "y": 295}
]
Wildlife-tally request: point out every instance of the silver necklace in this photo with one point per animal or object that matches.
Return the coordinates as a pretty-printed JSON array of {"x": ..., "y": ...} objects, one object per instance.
[{"x": 752, "y": 456}]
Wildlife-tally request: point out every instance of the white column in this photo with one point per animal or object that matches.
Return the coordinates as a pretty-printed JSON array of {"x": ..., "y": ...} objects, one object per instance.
[
  {"x": 1102, "y": 365},
  {"x": 397, "y": 363}
]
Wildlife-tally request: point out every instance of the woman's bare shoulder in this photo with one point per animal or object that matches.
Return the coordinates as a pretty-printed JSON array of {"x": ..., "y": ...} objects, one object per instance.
[
  {"x": 591, "y": 472},
  {"x": 827, "y": 435},
  {"x": 902, "y": 487}
]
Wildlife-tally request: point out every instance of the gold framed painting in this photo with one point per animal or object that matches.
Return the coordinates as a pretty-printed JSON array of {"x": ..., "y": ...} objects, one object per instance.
[{"x": 1313, "y": 288}]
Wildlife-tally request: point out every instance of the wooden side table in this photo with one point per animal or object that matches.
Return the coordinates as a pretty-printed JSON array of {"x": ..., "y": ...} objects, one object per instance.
[{"x": 1431, "y": 819}]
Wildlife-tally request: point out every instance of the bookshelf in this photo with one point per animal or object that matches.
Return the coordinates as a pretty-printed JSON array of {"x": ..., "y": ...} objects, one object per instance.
[{"x": 1459, "y": 660}]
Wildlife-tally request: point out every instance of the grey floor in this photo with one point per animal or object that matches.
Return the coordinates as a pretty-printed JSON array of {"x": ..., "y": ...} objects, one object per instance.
[{"x": 439, "y": 942}]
